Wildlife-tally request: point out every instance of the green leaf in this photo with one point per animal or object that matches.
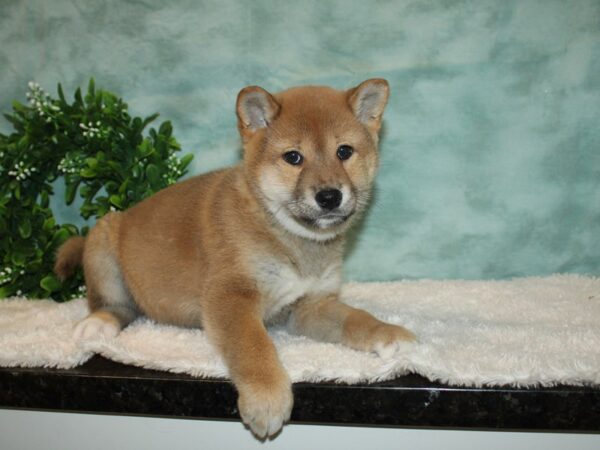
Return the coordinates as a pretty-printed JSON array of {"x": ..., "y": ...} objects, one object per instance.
[
  {"x": 91, "y": 162},
  {"x": 78, "y": 98},
  {"x": 98, "y": 99},
  {"x": 161, "y": 146},
  {"x": 124, "y": 185},
  {"x": 185, "y": 161},
  {"x": 87, "y": 211},
  {"x": 49, "y": 224},
  {"x": 60, "y": 236},
  {"x": 18, "y": 258},
  {"x": 153, "y": 174},
  {"x": 44, "y": 199},
  {"x": 19, "y": 107},
  {"x": 23, "y": 143},
  {"x": 85, "y": 191},
  {"x": 149, "y": 119},
  {"x": 101, "y": 211},
  {"x": 13, "y": 119},
  {"x": 70, "y": 192},
  {"x": 145, "y": 148},
  {"x": 61, "y": 94},
  {"x": 117, "y": 201},
  {"x": 35, "y": 266},
  {"x": 72, "y": 229},
  {"x": 116, "y": 167},
  {"x": 137, "y": 125},
  {"x": 109, "y": 100},
  {"x": 25, "y": 228},
  {"x": 87, "y": 172},
  {"x": 50, "y": 283},
  {"x": 166, "y": 129},
  {"x": 111, "y": 186},
  {"x": 92, "y": 87}
]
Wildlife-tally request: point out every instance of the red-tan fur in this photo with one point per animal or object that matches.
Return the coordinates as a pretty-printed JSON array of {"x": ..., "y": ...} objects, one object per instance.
[{"x": 208, "y": 252}]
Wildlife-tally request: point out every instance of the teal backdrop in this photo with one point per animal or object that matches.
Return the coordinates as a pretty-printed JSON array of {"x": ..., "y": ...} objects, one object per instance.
[{"x": 490, "y": 155}]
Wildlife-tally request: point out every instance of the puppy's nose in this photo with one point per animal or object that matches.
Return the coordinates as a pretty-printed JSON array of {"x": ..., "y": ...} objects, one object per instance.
[{"x": 329, "y": 198}]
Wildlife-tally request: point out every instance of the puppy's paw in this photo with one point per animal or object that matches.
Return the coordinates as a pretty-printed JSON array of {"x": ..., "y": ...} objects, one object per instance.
[
  {"x": 96, "y": 326},
  {"x": 386, "y": 339},
  {"x": 264, "y": 408}
]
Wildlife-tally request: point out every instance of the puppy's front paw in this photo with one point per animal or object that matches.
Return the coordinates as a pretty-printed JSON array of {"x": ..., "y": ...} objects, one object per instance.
[
  {"x": 96, "y": 325},
  {"x": 265, "y": 407},
  {"x": 385, "y": 339}
]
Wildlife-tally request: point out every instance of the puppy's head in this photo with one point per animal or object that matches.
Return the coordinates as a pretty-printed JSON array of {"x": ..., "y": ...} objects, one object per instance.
[{"x": 310, "y": 153}]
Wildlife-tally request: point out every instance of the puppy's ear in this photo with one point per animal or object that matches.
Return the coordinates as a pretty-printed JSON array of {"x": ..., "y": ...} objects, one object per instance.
[
  {"x": 368, "y": 101},
  {"x": 256, "y": 109}
]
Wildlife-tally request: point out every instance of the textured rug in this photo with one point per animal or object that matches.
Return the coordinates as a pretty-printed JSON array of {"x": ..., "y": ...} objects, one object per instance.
[{"x": 522, "y": 332}]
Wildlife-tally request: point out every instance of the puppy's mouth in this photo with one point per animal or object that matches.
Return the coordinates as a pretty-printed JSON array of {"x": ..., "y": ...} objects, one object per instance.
[{"x": 326, "y": 220}]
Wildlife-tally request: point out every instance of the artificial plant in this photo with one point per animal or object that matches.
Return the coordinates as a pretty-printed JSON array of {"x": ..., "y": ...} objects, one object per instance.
[{"x": 101, "y": 153}]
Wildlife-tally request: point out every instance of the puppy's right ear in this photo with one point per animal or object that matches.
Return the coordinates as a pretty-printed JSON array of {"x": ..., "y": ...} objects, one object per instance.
[{"x": 255, "y": 109}]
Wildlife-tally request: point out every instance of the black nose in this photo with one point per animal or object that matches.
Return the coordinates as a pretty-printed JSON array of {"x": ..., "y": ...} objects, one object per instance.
[{"x": 329, "y": 198}]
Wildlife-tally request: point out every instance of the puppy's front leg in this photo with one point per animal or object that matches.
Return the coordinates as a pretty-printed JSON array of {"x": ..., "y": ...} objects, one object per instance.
[
  {"x": 327, "y": 319},
  {"x": 233, "y": 321}
]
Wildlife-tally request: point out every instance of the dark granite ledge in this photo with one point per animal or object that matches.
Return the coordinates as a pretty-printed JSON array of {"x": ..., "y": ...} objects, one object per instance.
[{"x": 102, "y": 386}]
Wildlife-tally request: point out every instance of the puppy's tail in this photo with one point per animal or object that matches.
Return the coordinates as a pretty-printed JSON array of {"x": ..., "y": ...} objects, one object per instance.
[{"x": 69, "y": 257}]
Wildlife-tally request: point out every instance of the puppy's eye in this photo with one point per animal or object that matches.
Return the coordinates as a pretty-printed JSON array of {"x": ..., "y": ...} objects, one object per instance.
[
  {"x": 344, "y": 152},
  {"x": 293, "y": 157}
]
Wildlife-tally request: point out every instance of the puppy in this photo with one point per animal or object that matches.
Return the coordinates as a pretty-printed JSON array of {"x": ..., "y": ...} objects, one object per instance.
[{"x": 231, "y": 250}]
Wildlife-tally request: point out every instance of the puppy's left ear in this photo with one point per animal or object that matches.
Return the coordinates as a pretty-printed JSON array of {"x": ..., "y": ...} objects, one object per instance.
[
  {"x": 256, "y": 109},
  {"x": 368, "y": 101}
]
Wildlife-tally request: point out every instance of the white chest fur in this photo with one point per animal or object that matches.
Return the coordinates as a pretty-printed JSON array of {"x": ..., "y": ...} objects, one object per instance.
[{"x": 281, "y": 284}]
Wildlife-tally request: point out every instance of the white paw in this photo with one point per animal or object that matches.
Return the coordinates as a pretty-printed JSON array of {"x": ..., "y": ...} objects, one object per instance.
[
  {"x": 266, "y": 410},
  {"x": 388, "y": 351},
  {"x": 95, "y": 327},
  {"x": 388, "y": 339}
]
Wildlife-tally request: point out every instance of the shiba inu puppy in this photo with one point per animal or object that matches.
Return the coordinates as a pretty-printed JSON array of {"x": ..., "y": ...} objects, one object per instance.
[{"x": 231, "y": 250}]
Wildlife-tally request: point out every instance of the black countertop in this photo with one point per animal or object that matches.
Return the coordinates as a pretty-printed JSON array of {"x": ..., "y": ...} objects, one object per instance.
[{"x": 103, "y": 386}]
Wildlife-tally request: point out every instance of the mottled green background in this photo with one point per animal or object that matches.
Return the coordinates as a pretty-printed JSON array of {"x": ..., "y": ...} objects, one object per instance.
[{"x": 491, "y": 148}]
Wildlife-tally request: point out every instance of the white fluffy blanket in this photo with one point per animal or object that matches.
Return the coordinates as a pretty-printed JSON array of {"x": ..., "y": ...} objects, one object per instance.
[{"x": 523, "y": 332}]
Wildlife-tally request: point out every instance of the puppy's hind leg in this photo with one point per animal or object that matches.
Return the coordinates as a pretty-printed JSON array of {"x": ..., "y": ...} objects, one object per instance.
[{"x": 110, "y": 302}]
